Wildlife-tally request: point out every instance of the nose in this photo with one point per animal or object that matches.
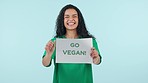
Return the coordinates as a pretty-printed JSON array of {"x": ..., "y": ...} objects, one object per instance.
[{"x": 71, "y": 18}]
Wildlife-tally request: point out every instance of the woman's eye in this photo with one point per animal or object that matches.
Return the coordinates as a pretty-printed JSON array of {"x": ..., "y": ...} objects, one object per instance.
[
  {"x": 66, "y": 17},
  {"x": 74, "y": 16}
]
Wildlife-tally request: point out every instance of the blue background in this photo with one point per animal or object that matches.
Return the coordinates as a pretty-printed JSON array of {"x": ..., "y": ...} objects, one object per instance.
[{"x": 120, "y": 26}]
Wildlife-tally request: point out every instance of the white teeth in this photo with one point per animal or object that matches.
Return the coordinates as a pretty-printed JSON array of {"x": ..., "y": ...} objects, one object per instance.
[{"x": 70, "y": 24}]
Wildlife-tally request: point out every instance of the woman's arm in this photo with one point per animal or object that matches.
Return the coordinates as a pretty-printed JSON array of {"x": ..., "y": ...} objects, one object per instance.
[{"x": 50, "y": 46}]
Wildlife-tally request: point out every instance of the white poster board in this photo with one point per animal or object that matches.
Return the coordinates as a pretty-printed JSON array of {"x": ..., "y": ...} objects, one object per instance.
[{"x": 73, "y": 50}]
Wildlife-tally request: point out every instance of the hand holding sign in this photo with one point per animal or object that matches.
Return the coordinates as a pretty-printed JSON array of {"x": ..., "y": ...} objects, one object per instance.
[
  {"x": 50, "y": 46},
  {"x": 94, "y": 53}
]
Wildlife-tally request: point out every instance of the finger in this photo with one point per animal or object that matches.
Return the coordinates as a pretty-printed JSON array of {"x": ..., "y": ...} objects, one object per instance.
[
  {"x": 92, "y": 48},
  {"x": 46, "y": 48},
  {"x": 50, "y": 42},
  {"x": 53, "y": 44},
  {"x": 92, "y": 51},
  {"x": 92, "y": 55},
  {"x": 50, "y": 46}
]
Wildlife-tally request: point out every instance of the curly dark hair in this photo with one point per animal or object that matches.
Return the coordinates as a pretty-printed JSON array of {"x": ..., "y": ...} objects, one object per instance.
[{"x": 81, "y": 28}]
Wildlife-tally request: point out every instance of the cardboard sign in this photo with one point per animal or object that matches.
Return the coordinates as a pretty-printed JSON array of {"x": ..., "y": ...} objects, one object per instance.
[{"x": 73, "y": 50}]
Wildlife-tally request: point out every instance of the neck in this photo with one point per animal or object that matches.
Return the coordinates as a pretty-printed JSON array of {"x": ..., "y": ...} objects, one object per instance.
[{"x": 71, "y": 34}]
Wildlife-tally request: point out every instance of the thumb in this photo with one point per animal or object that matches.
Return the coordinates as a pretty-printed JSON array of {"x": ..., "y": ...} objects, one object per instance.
[{"x": 54, "y": 43}]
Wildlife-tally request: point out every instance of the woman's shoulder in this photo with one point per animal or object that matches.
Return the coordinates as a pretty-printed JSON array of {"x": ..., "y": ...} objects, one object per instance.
[
  {"x": 94, "y": 41},
  {"x": 53, "y": 39}
]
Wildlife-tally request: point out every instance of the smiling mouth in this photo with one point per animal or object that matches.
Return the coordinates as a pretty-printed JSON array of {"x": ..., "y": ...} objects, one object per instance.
[{"x": 71, "y": 24}]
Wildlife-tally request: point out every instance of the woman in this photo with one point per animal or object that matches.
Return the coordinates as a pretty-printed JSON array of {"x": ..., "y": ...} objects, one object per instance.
[{"x": 70, "y": 24}]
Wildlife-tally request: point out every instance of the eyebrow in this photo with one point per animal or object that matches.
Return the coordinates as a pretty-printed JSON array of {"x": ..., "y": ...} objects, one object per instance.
[
  {"x": 68, "y": 14},
  {"x": 75, "y": 14}
]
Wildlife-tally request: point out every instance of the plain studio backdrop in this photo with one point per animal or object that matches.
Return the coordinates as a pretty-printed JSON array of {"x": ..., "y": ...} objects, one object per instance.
[{"x": 120, "y": 27}]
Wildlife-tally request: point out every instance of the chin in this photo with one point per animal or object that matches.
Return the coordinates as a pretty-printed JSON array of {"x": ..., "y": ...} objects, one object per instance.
[{"x": 71, "y": 27}]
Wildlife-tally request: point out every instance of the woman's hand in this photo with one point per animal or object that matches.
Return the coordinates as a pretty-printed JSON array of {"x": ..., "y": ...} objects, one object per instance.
[
  {"x": 95, "y": 55},
  {"x": 50, "y": 46}
]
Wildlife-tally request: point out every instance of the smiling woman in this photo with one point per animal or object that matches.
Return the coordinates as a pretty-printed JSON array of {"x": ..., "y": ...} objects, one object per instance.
[{"x": 70, "y": 24}]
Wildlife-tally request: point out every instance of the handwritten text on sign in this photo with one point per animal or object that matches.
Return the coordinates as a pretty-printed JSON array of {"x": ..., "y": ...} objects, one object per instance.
[{"x": 73, "y": 50}]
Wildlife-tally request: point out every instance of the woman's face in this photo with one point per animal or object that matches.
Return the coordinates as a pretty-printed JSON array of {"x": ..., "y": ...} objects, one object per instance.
[{"x": 71, "y": 19}]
